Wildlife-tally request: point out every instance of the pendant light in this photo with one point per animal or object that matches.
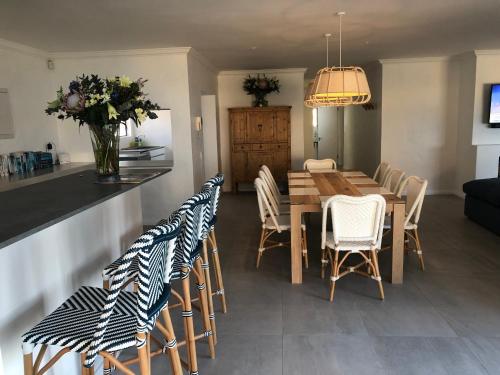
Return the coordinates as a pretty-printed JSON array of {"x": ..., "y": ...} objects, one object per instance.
[{"x": 338, "y": 86}]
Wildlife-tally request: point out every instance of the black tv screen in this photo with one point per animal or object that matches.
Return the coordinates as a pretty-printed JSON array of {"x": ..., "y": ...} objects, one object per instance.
[{"x": 495, "y": 104}]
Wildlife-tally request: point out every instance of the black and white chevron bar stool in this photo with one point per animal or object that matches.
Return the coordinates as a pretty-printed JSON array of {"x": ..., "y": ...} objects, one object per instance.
[
  {"x": 214, "y": 186},
  {"x": 97, "y": 321}
]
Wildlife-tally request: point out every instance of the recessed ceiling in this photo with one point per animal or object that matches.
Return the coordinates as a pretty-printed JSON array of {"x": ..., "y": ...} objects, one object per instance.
[{"x": 258, "y": 34}]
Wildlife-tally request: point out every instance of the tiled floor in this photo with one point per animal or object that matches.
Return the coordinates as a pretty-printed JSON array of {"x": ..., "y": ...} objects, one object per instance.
[{"x": 445, "y": 320}]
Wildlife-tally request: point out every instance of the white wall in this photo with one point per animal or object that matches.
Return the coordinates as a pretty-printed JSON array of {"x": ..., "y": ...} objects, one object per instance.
[
  {"x": 419, "y": 130},
  {"x": 231, "y": 94},
  {"x": 23, "y": 71},
  {"x": 362, "y": 128},
  {"x": 202, "y": 81}
]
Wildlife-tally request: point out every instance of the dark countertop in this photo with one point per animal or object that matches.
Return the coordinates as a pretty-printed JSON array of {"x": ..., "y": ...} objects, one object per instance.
[{"x": 30, "y": 209}]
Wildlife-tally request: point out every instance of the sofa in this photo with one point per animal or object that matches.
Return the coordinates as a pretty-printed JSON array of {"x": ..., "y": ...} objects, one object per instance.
[{"x": 482, "y": 202}]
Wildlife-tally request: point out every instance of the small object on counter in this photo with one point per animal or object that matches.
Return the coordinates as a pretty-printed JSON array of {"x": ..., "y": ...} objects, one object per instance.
[
  {"x": 30, "y": 161},
  {"x": 64, "y": 158},
  {"x": 4, "y": 165},
  {"x": 43, "y": 160}
]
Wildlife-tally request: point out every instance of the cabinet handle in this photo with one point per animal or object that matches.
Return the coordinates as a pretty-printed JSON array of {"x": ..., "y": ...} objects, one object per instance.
[{"x": 260, "y": 127}]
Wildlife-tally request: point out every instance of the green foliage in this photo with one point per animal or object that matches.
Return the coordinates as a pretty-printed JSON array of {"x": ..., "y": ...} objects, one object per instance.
[
  {"x": 96, "y": 101},
  {"x": 261, "y": 86}
]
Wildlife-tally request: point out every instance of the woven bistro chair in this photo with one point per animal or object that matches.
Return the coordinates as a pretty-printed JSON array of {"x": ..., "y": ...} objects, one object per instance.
[
  {"x": 357, "y": 224},
  {"x": 414, "y": 188},
  {"x": 97, "y": 321},
  {"x": 315, "y": 164},
  {"x": 280, "y": 207},
  {"x": 273, "y": 222},
  {"x": 381, "y": 172},
  {"x": 214, "y": 185},
  {"x": 187, "y": 260},
  {"x": 393, "y": 180},
  {"x": 281, "y": 198}
]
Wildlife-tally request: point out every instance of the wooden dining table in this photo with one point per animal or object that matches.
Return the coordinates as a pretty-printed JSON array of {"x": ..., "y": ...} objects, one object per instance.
[{"x": 308, "y": 190}]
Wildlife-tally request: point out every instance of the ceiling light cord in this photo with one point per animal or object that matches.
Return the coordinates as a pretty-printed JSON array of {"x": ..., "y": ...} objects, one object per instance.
[
  {"x": 327, "y": 44},
  {"x": 340, "y": 40}
]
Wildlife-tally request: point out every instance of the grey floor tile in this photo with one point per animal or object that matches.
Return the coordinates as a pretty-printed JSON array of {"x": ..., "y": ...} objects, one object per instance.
[
  {"x": 423, "y": 355},
  {"x": 487, "y": 350},
  {"x": 251, "y": 319},
  {"x": 330, "y": 354}
]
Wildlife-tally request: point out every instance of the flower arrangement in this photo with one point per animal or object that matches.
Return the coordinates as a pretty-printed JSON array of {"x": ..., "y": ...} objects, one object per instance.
[
  {"x": 104, "y": 104},
  {"x": 260, "y": 87}
]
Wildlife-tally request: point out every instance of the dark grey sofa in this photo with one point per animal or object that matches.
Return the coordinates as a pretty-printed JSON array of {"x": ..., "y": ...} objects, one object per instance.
[{"x": 482, "y": 202}]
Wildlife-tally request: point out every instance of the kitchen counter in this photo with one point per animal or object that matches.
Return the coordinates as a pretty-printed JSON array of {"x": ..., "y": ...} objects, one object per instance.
[{"x": 27, "y": 207}]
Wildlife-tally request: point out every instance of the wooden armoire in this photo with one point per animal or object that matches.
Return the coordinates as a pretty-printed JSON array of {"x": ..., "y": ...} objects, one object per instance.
[{"x": 259, "y": 135}]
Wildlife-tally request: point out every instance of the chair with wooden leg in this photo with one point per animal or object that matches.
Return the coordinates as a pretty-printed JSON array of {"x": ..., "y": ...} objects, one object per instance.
[
  {"x": 214, "y": 185},
  {"x": 393, "y": 180},
  {"x": 413, "y": 187},
  {"x": 281, "y": 198},
  {"x": 357, "y": 224},
  {"x": 315, "y": 164},
  {"x": 102, "y": 322},
  {"x": 381, "y": 172},
  {"x": 280, "y": 207},
  {"x": 273, "y": 222}
]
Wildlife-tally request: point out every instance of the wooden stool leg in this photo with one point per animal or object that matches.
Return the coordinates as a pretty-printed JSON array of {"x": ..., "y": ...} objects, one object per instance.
[
  {"x": 376, "y": 271},
  {"x": 335, "y": 272},
  {"x": 143, "y": 354},
  {"x": 208, "y": 281},
  {"x": 261, "y": 245},
  {"x": 202, "y": 291},
  {"x": 187, "y": 314},
  {"x": 175, "y": 361},
  {"x": 419, "y": 250},
  {"x": 218, "y": 271},
  {"x": 304, "y": 248},
  {"x": 324, "y": 262},
  {"x": 85, "y": 370},
  {"x": 28, "y": 363}
]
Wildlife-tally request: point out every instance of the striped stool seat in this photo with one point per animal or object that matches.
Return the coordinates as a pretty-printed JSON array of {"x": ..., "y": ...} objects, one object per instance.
[{"x": 73, "y": 324}]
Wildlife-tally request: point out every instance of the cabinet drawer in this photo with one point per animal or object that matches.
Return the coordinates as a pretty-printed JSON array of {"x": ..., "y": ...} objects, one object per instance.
[
  {"x": 280, "y": 147},
  {"x": 262, "y": 147},
  {"x": 241, "y": 147}
]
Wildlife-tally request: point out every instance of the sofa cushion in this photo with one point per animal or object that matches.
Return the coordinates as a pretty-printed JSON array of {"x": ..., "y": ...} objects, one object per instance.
[{"x": 487, "y": 190}]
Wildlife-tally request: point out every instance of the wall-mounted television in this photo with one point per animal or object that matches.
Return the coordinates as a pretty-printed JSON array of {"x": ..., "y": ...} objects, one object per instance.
[{"x": 494, "y": 118}]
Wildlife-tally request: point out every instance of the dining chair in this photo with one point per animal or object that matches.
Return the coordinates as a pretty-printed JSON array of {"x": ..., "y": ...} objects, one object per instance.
[
  {"x": 414, "y": 189},
  {"x": 315, "y": 164},
  {"x": 393, "y": 180},
  {"x": 279, "y": 207},
  {"x": 274, "y": 222},
  {"x": 282, "y": 198},
  {"x": 357, "y": 224},
  {"x": 102, "y": 322},
  {"x": 381, "y": 172}
]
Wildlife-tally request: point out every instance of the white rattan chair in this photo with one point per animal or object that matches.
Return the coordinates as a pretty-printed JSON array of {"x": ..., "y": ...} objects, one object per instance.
[
  {"x": 315, "y": 164},
  {"x": 279, "y": 207},
  {"x": 269, "y": 178},
  {"x": 357, "y": 224},
  {"x": 273, "y": 222},
  {"x": 393, "y": 180},
  {"x": 381, "y": 172},
  {"x": 414, "y": 188}
]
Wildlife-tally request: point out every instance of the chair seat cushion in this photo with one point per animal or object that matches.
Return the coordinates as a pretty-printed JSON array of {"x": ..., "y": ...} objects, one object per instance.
[
  {"x": 348, "y": 245},
  {"x": 388, "y": 224},
  {"x": 73, "y": 324},
  {"x": 487, "y": 190},
  {"x": 283, "y": 223}
]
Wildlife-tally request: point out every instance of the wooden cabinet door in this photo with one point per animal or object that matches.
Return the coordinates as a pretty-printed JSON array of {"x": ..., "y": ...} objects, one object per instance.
[
  {"x": 239, "y": 166},
  {"x": 260, "y": 127},
  {"x": 280, "y": 164},
  {"x": 282, "y": 125},
  {"x": 255, "y": 160},
  {"x": 238, "y": 126}
]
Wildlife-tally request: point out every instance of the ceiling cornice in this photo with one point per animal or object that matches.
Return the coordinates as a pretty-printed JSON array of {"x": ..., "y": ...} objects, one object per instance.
[
  {"x": 414, "y": 60},
  {"x": 262, "y": 71},
  {"x": 13, "y": 46},
  {"x": 128, "y": 52},
  {"x": 479, "y": 52}
]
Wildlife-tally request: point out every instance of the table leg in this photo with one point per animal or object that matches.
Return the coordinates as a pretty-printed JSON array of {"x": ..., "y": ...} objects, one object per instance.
[
  {"x": 398, "y": 235},
  {"x": 296, "y": 248}
]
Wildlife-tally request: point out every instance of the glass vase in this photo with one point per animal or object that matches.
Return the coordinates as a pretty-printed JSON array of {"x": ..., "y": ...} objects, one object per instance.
[
  {"x": 260, "y": 100},
  {"x": 106, "y": 145}
]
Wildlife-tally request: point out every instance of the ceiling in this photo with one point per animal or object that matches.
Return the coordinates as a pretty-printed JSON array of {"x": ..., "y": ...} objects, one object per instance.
[{"x": 257, "y": 34}]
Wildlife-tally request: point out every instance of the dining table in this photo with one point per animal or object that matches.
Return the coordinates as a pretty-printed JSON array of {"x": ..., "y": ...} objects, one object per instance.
[{"x": 308, "y": 190}]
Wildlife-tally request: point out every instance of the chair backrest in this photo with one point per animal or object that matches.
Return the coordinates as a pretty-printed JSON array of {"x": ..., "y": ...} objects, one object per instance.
[
  {"x": 273, "y": 199},
  {"x": 192, "y": 231},
  {"x": 213, "y": 187},
  {"x": 314, "y": 164},
  {"x": 415, "y": 188},
  {"x": 269, "y": 178},
  {"x": 394, "y": 179},
  {"x": 355, "y": 219},
  {"x": 264, "y": 199},
  {"x": 155, "y": 251},
  {"x": 381, "y": 172}
]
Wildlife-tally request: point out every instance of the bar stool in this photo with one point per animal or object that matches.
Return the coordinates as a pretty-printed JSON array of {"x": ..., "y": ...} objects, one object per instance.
[
  {"x": 187, "y": 259},
  {"x": 97, "y": 321}
]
